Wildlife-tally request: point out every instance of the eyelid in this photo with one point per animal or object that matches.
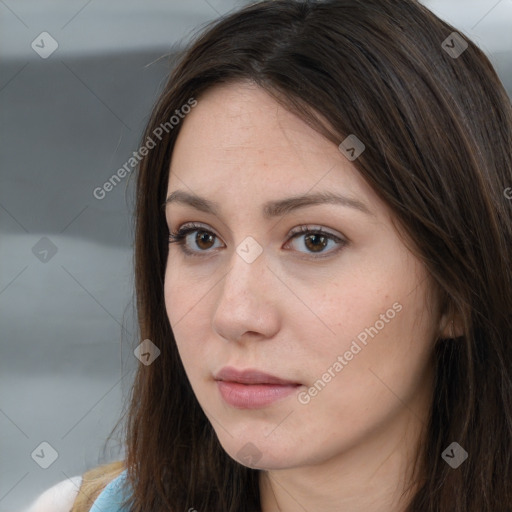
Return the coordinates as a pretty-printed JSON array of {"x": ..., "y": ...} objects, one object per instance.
[{"x": 304, "y": 228}]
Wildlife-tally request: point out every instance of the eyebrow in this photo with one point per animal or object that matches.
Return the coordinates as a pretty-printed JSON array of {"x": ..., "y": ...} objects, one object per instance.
[{"x": 271, "y": 209}]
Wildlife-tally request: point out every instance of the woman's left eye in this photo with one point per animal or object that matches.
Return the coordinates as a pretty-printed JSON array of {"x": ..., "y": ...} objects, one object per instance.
[{"x": 313, "y": 239}]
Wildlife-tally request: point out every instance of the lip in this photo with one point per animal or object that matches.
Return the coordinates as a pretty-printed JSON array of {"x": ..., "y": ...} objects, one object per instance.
[
  {"x": 252, "y": 389},
  {"x": 250, "y": 376}
]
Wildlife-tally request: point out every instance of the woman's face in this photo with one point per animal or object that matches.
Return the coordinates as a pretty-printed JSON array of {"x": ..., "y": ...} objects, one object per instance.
[{"x": 341, "y": 315}]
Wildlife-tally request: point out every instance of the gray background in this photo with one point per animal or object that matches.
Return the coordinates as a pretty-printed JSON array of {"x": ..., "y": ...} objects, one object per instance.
[{"x": 67, "y": 123}]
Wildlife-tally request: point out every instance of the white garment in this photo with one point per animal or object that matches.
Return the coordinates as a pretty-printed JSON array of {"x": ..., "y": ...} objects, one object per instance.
[{"x": 59, "y": 498}]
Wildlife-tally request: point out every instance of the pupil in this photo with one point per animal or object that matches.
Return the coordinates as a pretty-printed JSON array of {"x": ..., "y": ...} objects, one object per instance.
[
  {"x": 201, "y": 236},
  {"x": 316, "y": 247}
]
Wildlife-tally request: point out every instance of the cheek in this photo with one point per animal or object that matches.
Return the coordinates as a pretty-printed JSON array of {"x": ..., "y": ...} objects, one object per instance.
[
  {"x": 380, "y": 357},
  {"x": 171, "y": 296},
  {"x": 186, "y": 285},
  {"x": 179, "y": 299},
  {"x": 378, "y": 324},
  {"x": 186, "y": 295},
  {"x": 182, "y": 293},
  {"x": 183, "y": 321},
  {"x": 349, "y": 312}
]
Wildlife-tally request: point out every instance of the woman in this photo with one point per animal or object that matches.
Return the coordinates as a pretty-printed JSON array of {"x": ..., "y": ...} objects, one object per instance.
[{"x": 323, "y": 252}]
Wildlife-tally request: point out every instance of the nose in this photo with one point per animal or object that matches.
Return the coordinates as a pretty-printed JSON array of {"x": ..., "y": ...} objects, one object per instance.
[{"x": 247, "y": 304}]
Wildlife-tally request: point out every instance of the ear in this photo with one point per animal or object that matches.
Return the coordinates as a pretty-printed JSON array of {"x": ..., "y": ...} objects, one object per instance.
[{"x": 450, "y": 325}]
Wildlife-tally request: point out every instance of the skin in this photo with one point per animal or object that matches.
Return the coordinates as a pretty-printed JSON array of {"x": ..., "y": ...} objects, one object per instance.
[{"x": 351, "y": 446}]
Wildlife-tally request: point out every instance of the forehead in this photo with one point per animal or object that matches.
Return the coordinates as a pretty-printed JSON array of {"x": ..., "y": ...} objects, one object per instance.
[
  {"x": 243, "y": 119},
  {"x": 240, "y": 137}
]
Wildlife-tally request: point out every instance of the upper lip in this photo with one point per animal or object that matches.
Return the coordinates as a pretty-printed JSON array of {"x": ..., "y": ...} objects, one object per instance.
[{"x": 250, "y": 376}]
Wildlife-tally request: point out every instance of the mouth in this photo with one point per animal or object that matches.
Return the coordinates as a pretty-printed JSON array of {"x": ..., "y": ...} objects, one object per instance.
[
  {"x": 251, "y": 389},
  {"x": 230, "y": 374}
]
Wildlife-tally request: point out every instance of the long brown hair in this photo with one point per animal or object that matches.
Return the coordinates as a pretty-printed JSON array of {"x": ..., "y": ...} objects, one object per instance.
[{"x": 438, "y": 134}]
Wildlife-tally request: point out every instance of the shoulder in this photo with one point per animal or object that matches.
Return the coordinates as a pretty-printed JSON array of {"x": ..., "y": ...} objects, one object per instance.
[
  {"x": 77, "y": 494},
  {"x": 112, "y": 497},
  {"x": 59, "y": 498},
  {"x": 99, "y": 488}
]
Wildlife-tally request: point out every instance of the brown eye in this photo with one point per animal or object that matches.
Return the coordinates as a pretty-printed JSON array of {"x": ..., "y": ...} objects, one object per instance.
[
  {"x": 204, "y": 237},
  {"x": 202, "y": 240},
  {"x": 315, "y": 241}
]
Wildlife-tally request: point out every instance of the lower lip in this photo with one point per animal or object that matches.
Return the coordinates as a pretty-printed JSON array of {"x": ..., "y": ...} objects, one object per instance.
[{"x": 252, "y": 396}]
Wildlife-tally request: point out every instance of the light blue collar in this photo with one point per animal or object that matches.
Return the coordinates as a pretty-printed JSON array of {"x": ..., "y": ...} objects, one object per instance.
[{"x": 111, "y": 498}]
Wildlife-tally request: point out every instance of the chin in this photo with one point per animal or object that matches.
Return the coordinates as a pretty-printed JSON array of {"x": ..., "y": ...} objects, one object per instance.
[{"x": 260, "y": 454}]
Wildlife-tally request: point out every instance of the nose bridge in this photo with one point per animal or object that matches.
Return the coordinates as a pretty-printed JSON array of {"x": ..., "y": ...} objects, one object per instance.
[{"x": 247, "y": 268}]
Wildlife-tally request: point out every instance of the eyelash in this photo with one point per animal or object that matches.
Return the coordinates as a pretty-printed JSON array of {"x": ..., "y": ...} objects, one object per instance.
[{"x": 179, "y": 236}]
